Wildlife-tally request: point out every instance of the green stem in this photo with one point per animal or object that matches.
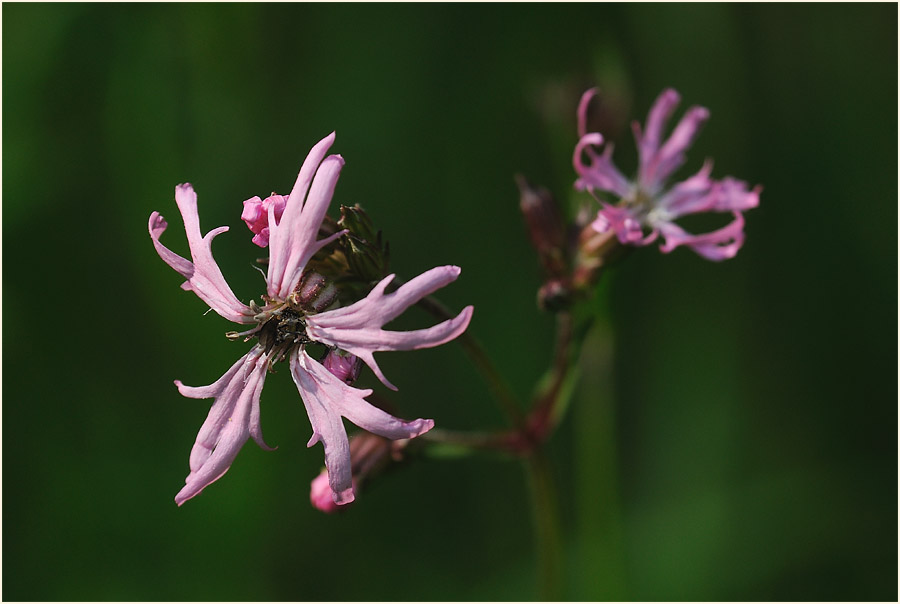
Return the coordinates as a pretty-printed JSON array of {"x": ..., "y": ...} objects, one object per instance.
[
  {"x": 546, "y": 521},
  {"x": 485, "y": 441},
  {"x": 556, "y": 388}
]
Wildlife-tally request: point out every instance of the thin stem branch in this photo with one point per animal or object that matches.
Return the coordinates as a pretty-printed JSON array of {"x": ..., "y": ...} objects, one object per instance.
[
  {"x": 486, "y": 441},
  {"x": 546, "y": 521},
  {"x": 551, "y": 400}
]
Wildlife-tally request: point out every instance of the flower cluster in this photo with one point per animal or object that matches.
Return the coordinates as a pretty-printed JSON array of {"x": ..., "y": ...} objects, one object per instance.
[
  {"x": 297, "y": 311},
  {"x": 647, "y": 207}
]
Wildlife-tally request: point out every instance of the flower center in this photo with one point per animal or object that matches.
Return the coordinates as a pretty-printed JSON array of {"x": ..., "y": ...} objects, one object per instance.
[
  {"x": 282, "y": 330},
  {"x": 638, "y": 202}
]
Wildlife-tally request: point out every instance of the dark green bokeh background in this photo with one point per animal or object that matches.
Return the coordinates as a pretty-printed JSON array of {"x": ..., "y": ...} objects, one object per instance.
[{"x": 750, "y": 452}]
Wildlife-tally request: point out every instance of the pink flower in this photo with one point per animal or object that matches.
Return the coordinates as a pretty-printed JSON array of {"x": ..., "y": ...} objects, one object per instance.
[
  {"x": 285, "y": 326},
  {"x": 646, "y": 207}
]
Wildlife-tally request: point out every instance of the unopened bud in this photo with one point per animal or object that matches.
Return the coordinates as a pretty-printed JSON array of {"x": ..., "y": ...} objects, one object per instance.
[
  {"x": 554, "y": 296},
  {"x": 256, "y": 216},
  {"x": 546, "y": 227},
  {"x": 314, "y": 293},
  {"x": 320, "y": 494},
  {"x": 343, "y": 365}
]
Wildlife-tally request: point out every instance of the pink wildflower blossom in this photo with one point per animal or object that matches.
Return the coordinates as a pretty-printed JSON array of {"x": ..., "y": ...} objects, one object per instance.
[
  {"x": 647, "y": 207},
  {"x": 285, "y": 325}
]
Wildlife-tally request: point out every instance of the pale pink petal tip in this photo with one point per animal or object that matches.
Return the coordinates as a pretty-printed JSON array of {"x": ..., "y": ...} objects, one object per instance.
[{"x": 344, "y": 497}]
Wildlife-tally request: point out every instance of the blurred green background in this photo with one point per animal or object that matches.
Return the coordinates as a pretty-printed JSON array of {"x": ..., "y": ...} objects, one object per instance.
[{"x": 742, "y": 445}]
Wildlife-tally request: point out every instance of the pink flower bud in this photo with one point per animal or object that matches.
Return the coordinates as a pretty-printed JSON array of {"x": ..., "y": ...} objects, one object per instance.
[
  {"x": 343, "y": 365},
  {"x": 314, "y": 293},
  {"x": 256, "y": 215},
  {"x": 320, "y": 494},
  {"x": 546, "y": 226}
]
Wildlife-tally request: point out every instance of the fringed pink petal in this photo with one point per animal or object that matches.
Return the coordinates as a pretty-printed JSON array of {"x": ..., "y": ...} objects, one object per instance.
[
  {"x": 659, "y": 160},
  {"x": 328, "y": 428},
  {"x": 649, "y": 140},
  {"x": 583, "y": 105},
  {"x": 377, "y": 308},
  {"x": 350, "y": 403},
  {"x": 720, "y": 244},
  {"x": 672, "y": 154},
  {"x": 158, "y": 226},
  {"x": 292, "y": 240},
  {"x": 203, "y": 275},
  {"x": 699, "y": 193},
  {"x": 733, "y": 194},
  {"x": 600, "y": 173},
  {"x": 327, "y": 399},
  {"x": 357, "y": 328},
  {"x": 228, "y": 424}
]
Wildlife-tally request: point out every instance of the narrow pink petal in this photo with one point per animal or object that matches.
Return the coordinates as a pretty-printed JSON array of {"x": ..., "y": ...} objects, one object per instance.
[
  {"x": 327, "y": 427},
  {"x": 733, "y": 194},
  {"x": 327, "y": 399},
  {"x": 699, "y": 193},
  {"x": 158, "y": 226},
  {"x": 690, "y": 196},
  {"x": 648, "y": 143},
  {"x": 583, "y": 105},
  {"x": 717, "y": 245},
  {"x": 227, "y": 427},
  {"x": 377, "y": 308},
  {"x": 304, "y": 233},
  {"x": 357, "y": 328},
  {"x": 350, "y": 403},
  {"x": 600, "y": 173},
  {"x": 672, "y": 154},
  {"x": 203, "y": 275},
  {"x": 292, "y": 240}
]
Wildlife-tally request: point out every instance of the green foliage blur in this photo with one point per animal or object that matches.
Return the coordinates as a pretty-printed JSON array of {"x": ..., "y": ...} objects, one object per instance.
[{"x": 733, "y": 435}]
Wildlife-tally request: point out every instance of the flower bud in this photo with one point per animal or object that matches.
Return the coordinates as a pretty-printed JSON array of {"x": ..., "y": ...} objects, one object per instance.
[
  {"x": 343, "y": 365},
  {"x": 546, "y": 227},
  {"x": 314, "y": 293},
  {"x": 256, "y": 215},
  {"x": 320, "y": 494},
  {"x": 554, "y": 296}
]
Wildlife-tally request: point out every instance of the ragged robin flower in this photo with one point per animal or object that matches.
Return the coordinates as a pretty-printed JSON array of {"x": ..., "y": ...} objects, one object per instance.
[
  {"x": 647, "y": 207},
  {"x": 293, "y": 315}
]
